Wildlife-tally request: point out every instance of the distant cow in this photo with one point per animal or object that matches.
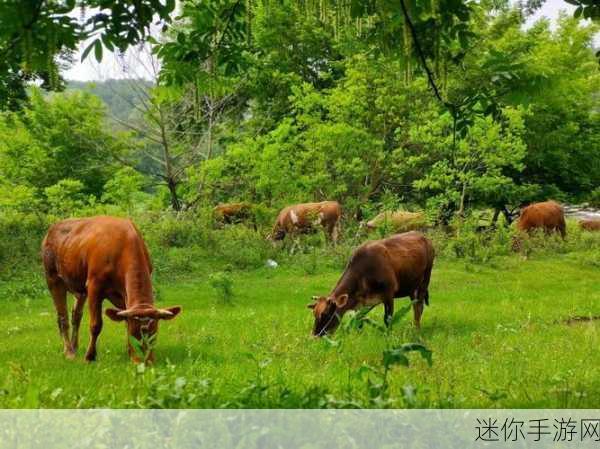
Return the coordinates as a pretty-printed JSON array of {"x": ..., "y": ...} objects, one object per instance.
[
  {"x": 302, "y": 218},
  {"x": 97, "y": 258},
  {"x": 398, "y": 221},
  {"x": 548, "y": 216},
  {"x": 378, "y": 272},
  {"x": 232, "y": 212},
  {"x": 590, "y": 225}
]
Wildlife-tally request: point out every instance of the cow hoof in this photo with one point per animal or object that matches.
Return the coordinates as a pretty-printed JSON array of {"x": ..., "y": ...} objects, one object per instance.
[
  {"x": 90, "y": 358},
  {"x": 70, "y": 355}
]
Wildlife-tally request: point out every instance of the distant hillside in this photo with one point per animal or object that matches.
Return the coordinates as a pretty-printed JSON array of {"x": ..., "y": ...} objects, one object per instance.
[{"x": 120, "y": 95}]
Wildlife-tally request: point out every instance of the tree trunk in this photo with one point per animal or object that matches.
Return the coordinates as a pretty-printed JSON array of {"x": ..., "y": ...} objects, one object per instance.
[
  {"x": 171, "y": 182},
  {"x": 175, "y": 203},
  {"x": 461, "y": 207},
  {"x": 495, "y": 217}
]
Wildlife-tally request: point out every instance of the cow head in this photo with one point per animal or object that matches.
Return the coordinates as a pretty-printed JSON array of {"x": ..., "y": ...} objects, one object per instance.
[
  {"x": 276, "y": 235},
  {"x": 142, "y": 324},
  {"x": 328, "y": 313}
]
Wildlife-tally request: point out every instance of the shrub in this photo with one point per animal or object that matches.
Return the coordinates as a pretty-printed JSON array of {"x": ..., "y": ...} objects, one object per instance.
[
  {"x": 594, "y": 198},
  {"x": 222, "y": 283},
  {"x": 242, "y": 247}
]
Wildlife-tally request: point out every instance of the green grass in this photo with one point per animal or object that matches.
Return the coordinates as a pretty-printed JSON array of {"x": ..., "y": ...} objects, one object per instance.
[{"x": 496, "y": 333}]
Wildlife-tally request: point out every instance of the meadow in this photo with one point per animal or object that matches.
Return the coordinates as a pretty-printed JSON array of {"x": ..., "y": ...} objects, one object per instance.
[{"x": 500, "y": 331}]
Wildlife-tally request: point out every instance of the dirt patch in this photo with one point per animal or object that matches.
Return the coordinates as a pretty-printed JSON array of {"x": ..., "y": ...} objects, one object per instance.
[{"x": 580, "y": 319}]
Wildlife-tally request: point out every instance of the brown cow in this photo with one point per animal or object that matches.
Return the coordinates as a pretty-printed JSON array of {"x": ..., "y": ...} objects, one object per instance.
[
  {"x": 304, "y": 217},
  {"x": 548, "y": 216},
  {"x": 96, "y": 258},
  {"x": 378, "y": 272},
  {"x": 590, "y": 225},
  {"x": 232, "y": 212}
]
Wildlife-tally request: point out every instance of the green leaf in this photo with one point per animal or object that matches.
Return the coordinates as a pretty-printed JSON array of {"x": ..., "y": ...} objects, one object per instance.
[
  {"x": 86, "y": 52},
  {"x": 393, "y": 357},
  {"x": 400, "y": 314},
  {"x": 98, "y": 50},
  {"x": 137, "y": 346},
  {"x": 330, "y": 342},
  {"x": 107, "y": 43},
  {"x": 421, "y": 349}
]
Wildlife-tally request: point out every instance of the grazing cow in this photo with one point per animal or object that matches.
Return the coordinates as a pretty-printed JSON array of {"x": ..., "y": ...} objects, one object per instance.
[
  {"x": 548, "y": 216},
  {"x": 378, "y": 272},
  {"x": 590, "y": 225},
  {"x": 232, "y": 212},
  {"x": 97, "y": 258},
  {"x": 303, "y": 218},
  {"x": 398, "y": 221}
]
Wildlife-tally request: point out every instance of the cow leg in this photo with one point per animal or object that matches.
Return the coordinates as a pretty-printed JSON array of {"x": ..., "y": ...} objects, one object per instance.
[
  {"x": 95, "y": 307},
  {"x": 76, "y": 315},
  {"x": 563, "y": 230},
  {"x": 58, "y": 291},
  {"x": 295, "y": 242},
  {"x": 334, "y": 232},
  {"x": 418, "y": 307},
  {"x": 388, "y": 313},
  {"x": 422, "y": 297}
]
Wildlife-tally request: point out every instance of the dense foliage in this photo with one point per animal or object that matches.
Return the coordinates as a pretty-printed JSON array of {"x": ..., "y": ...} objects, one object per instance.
[
  {"x": 447, "y": 107},
  {"x": 278, "y": 102}
]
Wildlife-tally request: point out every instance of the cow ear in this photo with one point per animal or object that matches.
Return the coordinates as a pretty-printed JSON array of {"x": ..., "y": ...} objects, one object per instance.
[
  {"x": 311, "y": 305},
  {"x": 113, "y": 314},
  {"x": 168, "y": 313},
  {"x": 341, "y": 300}
]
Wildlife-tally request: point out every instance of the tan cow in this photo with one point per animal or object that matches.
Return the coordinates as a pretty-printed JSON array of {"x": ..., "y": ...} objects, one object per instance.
[
  {"x": 302, "y": 218},
  {"x": 398, "y": 221},
  {"x": 97, "y": 258},
  {"x": 378, "y": 272},
  {"x": 230, "y": 213},
  {"x": 590, "y": 225}
]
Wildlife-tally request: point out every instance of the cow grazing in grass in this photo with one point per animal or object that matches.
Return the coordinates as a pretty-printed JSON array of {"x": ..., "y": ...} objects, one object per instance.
[
  {"x": 378, "y": 272},
  {"x": 398, "y": 221},
  {"x": 232, "y": 213},
  {"x": 97, "y": 258},
  {"x": 302, "y": 218},
  {"x": 548, "y": 216},
  {"x": 590, "y": 225}
]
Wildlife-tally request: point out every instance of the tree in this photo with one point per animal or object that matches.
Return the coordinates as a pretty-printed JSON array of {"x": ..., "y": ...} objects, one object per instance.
[
  {"x": 169, "y": 144},
  {"x": 65, "y": 197},
  {"x": 476, "y": 168},
  {"x": 123, "y": 188},
  {"x": 56, "y": 138},
  {"x": 38, "y": 36}
]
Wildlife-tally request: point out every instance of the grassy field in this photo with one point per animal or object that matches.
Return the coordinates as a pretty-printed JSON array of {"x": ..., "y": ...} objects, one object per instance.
[{"x": 497, "y": 333}]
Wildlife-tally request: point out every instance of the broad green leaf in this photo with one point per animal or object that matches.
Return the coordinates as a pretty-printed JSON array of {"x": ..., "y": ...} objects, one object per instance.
[{"x": 98, "y": 50}]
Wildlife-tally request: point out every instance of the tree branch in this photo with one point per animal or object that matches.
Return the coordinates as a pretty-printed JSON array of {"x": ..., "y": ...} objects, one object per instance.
[{"x": 436, "y": 91}]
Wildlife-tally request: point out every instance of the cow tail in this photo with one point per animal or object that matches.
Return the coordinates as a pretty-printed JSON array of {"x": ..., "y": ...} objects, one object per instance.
[{"x": 427, "y": 276}]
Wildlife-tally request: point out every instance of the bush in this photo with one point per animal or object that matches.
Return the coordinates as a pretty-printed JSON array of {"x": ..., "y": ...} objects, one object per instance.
[
  {"x": 594, "y": 198},
  {"x": 20, "y": 241},
  {"x": 65, "y": 197},
  {"x": 467, "y": 240},
  {"x": 167, "y": 230},
  {"x": 242, "y": 247},
  {"x": 222, "y": 284}
]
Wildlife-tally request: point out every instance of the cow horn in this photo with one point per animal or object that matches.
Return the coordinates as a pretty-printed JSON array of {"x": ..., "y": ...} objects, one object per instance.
[
  {"x": 315, "y": 298},
  {"x": 126, "y": 313},
  {"x": 164, "y": 313}
]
